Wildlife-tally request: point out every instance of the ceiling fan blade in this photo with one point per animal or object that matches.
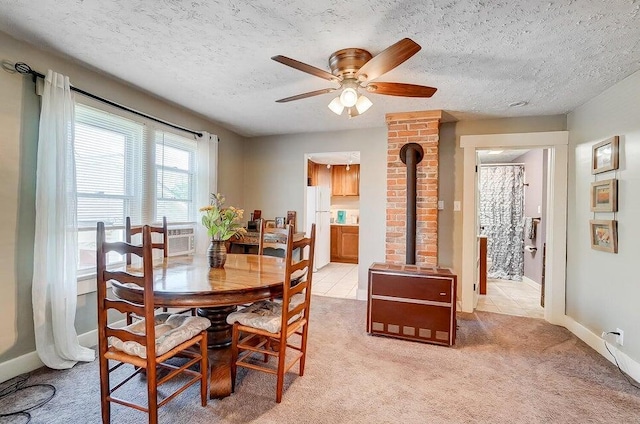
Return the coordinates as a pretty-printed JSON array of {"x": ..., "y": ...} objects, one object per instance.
[
  {"x": 399, "y": 89},
  {"x": 305, "y": 95},
  {"x": 305, "y": 68},
  {"x": 388, "y": 59}
]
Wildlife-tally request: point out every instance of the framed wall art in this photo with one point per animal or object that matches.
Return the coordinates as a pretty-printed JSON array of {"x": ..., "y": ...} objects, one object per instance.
[
  {"x": 604, "y": 196},
  {"x": 604, "y": 156},
  {"x": 604, "y": 235},
  {"x": 280, "y": 221}
]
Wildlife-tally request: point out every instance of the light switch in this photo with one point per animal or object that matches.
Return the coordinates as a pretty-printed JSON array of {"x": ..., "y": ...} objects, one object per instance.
[
  {"x": 539, "y": 209},
  {"x": 440, "y": 205},
  {"x": 456, "y": 205}
]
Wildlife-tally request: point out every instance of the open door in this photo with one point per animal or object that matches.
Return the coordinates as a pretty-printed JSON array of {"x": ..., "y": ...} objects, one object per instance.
[{"x": 479, "y": 266}]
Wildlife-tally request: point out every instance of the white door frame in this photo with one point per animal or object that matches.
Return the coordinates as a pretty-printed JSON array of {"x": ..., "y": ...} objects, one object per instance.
[{"x": 556, "y": 213}]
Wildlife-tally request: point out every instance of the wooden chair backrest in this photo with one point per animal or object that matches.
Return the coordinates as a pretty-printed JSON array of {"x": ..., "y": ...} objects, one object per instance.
[
  {"x": 273, "y": 241},
  {"x": 144, "y": 280},
  {"x": 296, "y": 267},
  {"x": 130, "y": 231}
]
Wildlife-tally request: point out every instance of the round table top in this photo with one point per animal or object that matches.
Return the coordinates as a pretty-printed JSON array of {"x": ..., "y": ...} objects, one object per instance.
[{"x": 188, "y": 281}]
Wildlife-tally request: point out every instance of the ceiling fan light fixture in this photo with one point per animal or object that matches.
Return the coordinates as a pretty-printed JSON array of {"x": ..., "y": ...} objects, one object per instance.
[
  {"x": 363, "y": 104},
  {"x": 336, "y": 106},
  {"x": 349, "y": 97}
]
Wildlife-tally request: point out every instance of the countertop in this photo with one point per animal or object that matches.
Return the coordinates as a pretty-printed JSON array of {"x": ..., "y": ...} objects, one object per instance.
[{"x": 345, "y": 225}]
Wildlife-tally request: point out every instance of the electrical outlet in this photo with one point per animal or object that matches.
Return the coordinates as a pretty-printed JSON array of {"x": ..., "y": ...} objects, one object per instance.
[{"x": 620, "y": 337}]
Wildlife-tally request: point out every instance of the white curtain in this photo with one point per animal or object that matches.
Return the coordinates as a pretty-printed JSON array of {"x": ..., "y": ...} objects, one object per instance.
[
  {"x": 207, "y": 154},
  {"x": 54, "y": 290}
]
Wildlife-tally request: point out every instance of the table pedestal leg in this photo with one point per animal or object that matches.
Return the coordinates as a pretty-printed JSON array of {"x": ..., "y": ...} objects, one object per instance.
[
  {"x": 219, "y": 334},
  {"x": 219, "y": 341}
]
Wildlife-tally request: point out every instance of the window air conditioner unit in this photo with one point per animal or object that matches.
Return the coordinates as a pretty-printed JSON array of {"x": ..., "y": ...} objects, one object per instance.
[{"x": 181, "y": 241}]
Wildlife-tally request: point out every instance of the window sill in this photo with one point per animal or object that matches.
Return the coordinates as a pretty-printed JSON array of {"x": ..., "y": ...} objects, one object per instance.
[{"x": 87, "y": 284}]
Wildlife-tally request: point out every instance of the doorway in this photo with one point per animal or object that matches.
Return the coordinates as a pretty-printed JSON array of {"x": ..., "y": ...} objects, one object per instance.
[
  {"x": 335, "y": 176},
  {"x": 512, "y": 197},
  {"x": 555, "y": 261}
]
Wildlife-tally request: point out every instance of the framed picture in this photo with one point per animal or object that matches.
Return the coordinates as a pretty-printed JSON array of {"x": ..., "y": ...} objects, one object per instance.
[
  {"x": 604, "y": 156},
  {"x": 604, "y": 196},
  {"x": 604, "y": 235},
  {"x": 280, "y": 221}
]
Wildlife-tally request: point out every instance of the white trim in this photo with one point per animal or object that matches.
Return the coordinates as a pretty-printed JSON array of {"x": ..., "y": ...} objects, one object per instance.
[
  {"x": 556, "y": 142},
  {"x": 529, "y": 280},
  {"x": 90, "y": 338},
  {"x": 362, "y": 294},
  {"x": 87, "y": 285},
  {"x": 31, "y": 361},
  {"x": 627, "y": 364},
  {"x": 20, "y": 365}
]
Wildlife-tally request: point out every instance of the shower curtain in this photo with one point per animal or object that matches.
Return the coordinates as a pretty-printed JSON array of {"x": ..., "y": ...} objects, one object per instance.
[{"x": 501, "y": 219}]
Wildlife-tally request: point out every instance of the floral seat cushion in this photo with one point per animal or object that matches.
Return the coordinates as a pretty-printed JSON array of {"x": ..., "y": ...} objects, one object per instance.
[
  {"x": 265, "y": 315},
  {"x": 171, "y": 330}
]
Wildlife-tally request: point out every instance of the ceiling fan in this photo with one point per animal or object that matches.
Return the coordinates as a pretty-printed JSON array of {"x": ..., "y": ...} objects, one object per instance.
[{"x": 355, "y": 68}]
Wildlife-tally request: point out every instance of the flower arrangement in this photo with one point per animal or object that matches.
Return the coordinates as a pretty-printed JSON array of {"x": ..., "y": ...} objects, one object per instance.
[{"x": 221, "y": 223}]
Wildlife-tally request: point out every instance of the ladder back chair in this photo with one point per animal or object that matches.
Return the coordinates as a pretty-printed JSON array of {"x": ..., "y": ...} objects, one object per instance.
[
  {"x": 130, "y": 231},
  {"x": 273, "y": 241},
  {"x": 148, "y": 343},
  {"x": 277, "y": 328}
]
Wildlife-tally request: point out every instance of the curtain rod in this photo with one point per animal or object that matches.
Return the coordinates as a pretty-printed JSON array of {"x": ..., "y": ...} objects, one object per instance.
[{"x": 23, "y": 68}]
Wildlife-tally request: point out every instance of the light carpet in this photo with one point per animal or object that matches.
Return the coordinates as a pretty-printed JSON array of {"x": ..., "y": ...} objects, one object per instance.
[{"x": 503, "y": 369}]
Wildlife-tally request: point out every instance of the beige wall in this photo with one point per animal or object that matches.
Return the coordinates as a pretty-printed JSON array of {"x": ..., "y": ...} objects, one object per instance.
[
  {"x": 451, "y": 173},
  {"x": 275, "y": 180},
  {"x": 603, "y": 288},
  {"x": 18, "y": 140},
  {"x": 278, "y": 161}
]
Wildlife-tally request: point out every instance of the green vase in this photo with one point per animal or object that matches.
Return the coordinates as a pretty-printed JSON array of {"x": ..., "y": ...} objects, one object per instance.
[{"x": 217, "y": 254}]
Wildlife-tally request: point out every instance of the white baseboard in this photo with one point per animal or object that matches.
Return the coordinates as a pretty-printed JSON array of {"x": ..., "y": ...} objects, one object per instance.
[
  {"x": 529, "y": 280},
  {"x": 362, "y": 294},
  {"x": 31, "y": 361},
  {"x": 88, "y": 339},
  {"x": 20, "y": 365},
  {"x": 627, "y": 364}
]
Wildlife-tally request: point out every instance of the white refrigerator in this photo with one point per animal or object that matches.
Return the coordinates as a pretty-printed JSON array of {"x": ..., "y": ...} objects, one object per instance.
[{"x": 319, "y": 212}]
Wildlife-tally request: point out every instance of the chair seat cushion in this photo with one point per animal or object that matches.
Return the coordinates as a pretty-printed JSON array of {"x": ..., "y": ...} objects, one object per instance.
[
  {"x": 266, "y": 314},
  {"x": 171, "y": 330}
]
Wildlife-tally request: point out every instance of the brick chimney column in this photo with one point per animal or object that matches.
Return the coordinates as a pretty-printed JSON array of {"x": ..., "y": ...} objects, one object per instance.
[{"x": 421, "y": 128}]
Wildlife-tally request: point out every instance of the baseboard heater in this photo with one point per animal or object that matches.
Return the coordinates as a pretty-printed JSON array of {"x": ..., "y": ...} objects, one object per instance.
[{"x": 412, "y": 302}]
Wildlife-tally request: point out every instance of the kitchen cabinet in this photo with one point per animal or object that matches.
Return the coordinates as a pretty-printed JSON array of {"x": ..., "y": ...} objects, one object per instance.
[
  {"x": 343, "y": 182},
  {"x": 335, "y": 233},
  {"x": 344, "y": 243}
]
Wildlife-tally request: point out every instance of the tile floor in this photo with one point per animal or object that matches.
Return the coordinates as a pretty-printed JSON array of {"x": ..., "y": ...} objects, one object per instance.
[
  {"x": 520, "y": 298},
  {"x": 336, "y": 280}
]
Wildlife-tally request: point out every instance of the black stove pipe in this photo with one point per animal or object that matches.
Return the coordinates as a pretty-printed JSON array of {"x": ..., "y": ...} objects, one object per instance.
[{"x": 411, "y": 154}]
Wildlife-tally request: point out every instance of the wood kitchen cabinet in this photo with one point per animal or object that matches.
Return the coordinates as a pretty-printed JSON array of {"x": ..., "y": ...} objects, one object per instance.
[
  {"x": 343, "y": 182},
  {"x": 344, "y": 243}
]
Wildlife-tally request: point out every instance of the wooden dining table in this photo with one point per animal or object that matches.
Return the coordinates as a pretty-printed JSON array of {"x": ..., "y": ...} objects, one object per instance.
[{"x": 189, "y": 282}]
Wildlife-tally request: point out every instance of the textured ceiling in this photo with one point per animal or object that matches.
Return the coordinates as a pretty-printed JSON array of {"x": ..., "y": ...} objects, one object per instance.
[{"x": 213, "y": 56}]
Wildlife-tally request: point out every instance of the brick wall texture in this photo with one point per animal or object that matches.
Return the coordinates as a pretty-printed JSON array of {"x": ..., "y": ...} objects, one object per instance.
[{"x": 420, "y": 128}]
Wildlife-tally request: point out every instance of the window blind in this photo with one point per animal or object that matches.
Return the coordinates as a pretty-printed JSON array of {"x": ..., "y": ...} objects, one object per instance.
[
  {"x": 175, "y": 166},
  {"x": 108, "y": 153}
]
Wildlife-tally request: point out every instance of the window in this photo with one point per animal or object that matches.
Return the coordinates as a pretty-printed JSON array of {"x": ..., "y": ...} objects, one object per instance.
[
  {"x": 123, "y": 169},
  {"x": 175, "y": 177}
]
